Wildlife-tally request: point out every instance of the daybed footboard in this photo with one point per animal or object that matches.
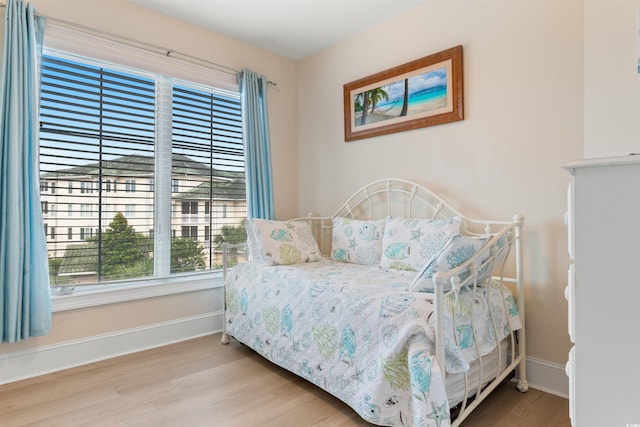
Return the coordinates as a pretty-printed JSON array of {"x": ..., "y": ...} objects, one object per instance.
[
  {"x": 420, "y": 326},
  {"x": 468, "y": 275}
]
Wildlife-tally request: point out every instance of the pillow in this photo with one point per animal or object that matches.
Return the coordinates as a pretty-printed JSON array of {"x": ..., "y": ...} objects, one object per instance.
[
  {"x": 357, "y": 241},
  {"x": 281, "y": 242},
  {"x": 409, "y": 243},
  {"x": 457, "y": 250}
]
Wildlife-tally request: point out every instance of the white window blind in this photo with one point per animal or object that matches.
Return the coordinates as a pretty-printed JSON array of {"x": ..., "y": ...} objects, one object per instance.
[
  {"x": 125, "y": 138},
  {"x": 105, "y": 48}
]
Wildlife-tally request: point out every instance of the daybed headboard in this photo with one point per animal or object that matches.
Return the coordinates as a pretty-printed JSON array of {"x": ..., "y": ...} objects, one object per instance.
[{"x": 394, "y": 197}]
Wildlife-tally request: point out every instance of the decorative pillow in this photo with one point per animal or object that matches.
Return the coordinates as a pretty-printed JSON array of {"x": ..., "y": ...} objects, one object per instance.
[
  {"x": 357, "y": 241},
  {"x": 281, "y": 242},
  {"x": 409, "y": 243},
  {"x": 457, "y": 250}
]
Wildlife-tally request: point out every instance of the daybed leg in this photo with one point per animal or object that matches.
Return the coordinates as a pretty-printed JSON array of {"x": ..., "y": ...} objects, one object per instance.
[
  {"x": 522, "y": 385},
  {"x": 225, "y": 339}
]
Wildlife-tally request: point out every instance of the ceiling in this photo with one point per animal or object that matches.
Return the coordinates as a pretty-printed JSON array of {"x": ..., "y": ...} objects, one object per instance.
[{"x": 292, "y": 28}]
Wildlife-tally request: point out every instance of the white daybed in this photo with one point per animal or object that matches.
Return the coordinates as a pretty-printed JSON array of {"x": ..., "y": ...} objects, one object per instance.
[{"x": 370, "y": 309}]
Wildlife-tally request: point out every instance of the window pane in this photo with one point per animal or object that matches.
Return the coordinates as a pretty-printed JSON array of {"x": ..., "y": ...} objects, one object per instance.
[
  {"x": 208, "y": 162},
  {"x": 97, "y": 128}
]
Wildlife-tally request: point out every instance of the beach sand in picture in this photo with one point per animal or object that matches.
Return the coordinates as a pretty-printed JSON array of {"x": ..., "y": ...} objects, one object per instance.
[{"x": 385, "y": 113}]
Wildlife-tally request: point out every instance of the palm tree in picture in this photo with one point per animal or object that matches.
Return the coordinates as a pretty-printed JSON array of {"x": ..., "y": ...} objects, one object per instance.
[
  {"x": 362, "y": 100},
  {"x": 377, "y": 95},
  {"x": 405, "y": 100}
]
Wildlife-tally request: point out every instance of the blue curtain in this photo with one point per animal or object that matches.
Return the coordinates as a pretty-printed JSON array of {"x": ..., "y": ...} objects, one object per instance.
[
  {"x": 25, "y": 302},
  {"x": 257, "y": 145}
]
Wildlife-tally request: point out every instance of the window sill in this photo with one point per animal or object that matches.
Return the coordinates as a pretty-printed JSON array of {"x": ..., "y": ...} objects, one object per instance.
[{"x": 95, "y": 295}]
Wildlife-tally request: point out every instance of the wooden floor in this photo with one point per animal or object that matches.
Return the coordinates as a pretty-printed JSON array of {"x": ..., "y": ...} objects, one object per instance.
[{"x": 203, "y": 383}]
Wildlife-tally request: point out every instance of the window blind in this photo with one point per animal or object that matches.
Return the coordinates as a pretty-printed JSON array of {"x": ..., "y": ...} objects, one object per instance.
[{"x": 120, "y": 151}]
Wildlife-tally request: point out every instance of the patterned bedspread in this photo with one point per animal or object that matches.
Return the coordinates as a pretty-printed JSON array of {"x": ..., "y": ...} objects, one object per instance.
[{"x": 355, "y": 331}]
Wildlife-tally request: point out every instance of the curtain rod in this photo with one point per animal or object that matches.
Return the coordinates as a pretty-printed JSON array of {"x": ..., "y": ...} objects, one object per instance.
[{"x": 148, "y": 46}]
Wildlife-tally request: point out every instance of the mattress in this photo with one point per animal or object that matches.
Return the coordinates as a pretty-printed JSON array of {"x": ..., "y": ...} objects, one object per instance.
[{"x": 455, "y": 383}]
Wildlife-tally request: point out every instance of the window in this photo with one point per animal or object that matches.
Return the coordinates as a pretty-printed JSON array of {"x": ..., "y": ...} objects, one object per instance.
[
  {"x": 85, "y": 234},
  {"x": 189, "y": 207},
  {"x": 101, "y": 123},
  {"x": 130, "y": 185},
  {"x": 130, "y": 211},
  {"x": 86, "y": 210},
  {"x": 190, "y": 232},
  {"x": 86, "y": 187}
]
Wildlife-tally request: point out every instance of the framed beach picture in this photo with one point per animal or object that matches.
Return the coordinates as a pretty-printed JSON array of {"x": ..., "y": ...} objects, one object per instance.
[{"x": 420, "y": 93}]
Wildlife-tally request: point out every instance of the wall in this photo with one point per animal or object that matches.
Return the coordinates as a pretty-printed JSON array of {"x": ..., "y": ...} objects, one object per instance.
[
  {"x": 611, "y": 79},
  {"x": 523, "y": 119},
  {"x": 94, "y": 333}
]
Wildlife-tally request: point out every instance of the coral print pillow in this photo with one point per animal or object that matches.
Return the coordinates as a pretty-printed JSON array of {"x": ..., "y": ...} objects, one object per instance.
[
  {"x": 281, "y": 242},
  {"x": 357, "y": 241},
  {"x": 457, "y": 250},
  {"x": 409, "y": 243}
]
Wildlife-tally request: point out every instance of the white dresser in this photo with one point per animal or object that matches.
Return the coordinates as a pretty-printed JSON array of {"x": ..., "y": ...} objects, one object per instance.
[{"x": 603, "y": 292}]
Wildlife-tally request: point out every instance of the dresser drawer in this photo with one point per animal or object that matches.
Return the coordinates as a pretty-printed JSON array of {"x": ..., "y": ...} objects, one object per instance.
[
  {"x": 569, "y": 222},
  {"x": 570, "y": 371},
  {"x": 570, "y": 296}
]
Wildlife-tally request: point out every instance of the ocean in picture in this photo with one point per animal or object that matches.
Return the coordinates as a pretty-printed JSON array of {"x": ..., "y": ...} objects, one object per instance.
[{"x": 427, "y": 92}]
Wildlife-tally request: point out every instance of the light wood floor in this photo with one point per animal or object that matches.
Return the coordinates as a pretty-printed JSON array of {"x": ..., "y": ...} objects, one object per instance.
[{"x": 203, "y": 383}]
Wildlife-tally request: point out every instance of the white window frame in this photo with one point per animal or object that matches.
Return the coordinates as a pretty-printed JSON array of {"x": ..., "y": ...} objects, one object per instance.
[{"x": 61, "y": 38}]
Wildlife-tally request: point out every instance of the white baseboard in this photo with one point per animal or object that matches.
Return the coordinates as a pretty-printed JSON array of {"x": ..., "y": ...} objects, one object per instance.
[
  {"x": 541, "y": 375},
  {"x": 46, "y": 359},
  {"x": 547, "y": 377}
]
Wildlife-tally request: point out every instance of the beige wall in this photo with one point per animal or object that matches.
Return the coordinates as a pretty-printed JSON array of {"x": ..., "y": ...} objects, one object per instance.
[
  {"x": 611, "y": 79},
  {"x": 523, "y": 120}
]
